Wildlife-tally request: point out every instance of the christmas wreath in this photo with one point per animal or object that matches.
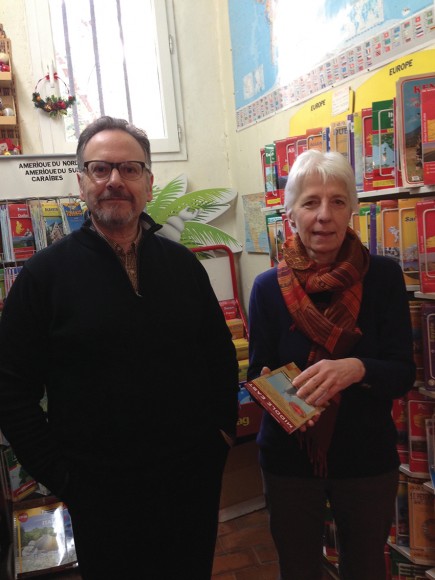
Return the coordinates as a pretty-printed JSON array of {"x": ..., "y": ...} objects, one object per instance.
[{"x": 53, "y": 105}]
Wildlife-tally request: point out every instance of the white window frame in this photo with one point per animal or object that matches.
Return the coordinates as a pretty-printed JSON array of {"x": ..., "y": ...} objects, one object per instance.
[{"x": 52, "y": 134}]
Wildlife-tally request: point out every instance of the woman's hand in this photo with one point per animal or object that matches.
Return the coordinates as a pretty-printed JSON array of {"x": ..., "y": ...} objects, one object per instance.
[{"x": 320, "y": 382}]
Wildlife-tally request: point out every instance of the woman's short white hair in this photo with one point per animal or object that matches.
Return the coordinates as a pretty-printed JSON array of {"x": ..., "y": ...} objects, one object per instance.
[{"x": 331, "y": 166}]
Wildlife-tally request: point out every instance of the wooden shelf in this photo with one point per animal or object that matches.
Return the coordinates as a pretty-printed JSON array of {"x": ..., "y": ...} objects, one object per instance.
[{"x": 5, "y": 79}]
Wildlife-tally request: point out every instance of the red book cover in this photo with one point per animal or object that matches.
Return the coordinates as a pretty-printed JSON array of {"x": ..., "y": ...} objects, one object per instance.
[
  {"x": 408, "y": 96},
  {"x": 427, "y": 104},
  {"x": 23, "y": 239},
  {"x": 367, "y": 150},
  {"x": 425, "y": 218},
  {"x": 287, "y": 151}
]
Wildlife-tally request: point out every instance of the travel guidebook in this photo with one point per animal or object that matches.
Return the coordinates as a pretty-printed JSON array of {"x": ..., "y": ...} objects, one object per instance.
[
  {"x": 276, "y": 393},
  {"x": 42, "y": 538}
]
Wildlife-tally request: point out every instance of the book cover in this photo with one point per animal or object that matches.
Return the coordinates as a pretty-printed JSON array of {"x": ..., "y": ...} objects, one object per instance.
[
  {"x": 282, "y": 165},
  {"x": 275, "y": 392},
  {"x": 364, "y": 224},
  {"x": 418, "y": 411},
  {"x": 408, "y": 95},
  {"x": 408, "y": 242},
  {"x": 415, "y": 307},
  {"x": 383, "y": 152},
  {"x": 402, "y": 512},
  {"x": 339, "y": 138},
  {"x": 428, "y": 334},
  {"x": 389, "y": 226},
  {"x": 73, "y": 216},
  {"x": 421, "y": 523},
  {"x": 425, "y": 217},
  {"x": 354, "y": 121},
  {"x": 53, "y": 223},
  {"x": 21, "y": 484},
  {"x": 427, "y": 105},
  {"x": 367, "y": 151},
  {"x": 373, "y": 228},
  {"x": 287, "y": 150},
  {"x": 315, "y": 139},
  {"x": 37, "y": 223},
  {"x": 41, "y": 540},
  {"x": 21, "y": 229},
  {"x": 270, "y": 176},
  {"x": 275, "y": 234}
]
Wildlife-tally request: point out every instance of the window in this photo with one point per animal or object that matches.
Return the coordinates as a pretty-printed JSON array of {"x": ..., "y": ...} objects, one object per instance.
[{"x": 117, "y": 58}]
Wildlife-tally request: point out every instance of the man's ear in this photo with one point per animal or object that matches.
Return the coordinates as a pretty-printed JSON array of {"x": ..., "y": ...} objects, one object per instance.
[
  {"x": 150, "y": 189},
  {"x": 79, "y": 179}
]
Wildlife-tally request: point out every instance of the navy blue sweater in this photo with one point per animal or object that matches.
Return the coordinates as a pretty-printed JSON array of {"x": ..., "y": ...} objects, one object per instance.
[
  {"x": 133, "y": 379},
  {"x": 364, "y": 439}
]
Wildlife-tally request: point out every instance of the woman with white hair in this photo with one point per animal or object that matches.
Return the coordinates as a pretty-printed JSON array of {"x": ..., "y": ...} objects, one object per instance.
[{"x": 342, "y": 315}]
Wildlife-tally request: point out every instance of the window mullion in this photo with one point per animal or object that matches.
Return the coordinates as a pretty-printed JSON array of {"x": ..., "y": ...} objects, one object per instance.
[
  {"x": 124, "y": 64},
  {"x": 97, "y": 55},
  {"x": 71, "y": 81}
]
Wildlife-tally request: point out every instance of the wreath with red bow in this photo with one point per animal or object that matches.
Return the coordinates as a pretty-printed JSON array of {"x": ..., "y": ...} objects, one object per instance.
[{"x": 53, "y": 106}]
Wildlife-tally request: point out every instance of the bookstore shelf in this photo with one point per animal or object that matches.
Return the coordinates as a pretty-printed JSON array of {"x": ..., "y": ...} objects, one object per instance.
[
  {"x": 405, "y": 551},
  {"x": 377, "y": 194},
  {"x": 404, "y": 468}
]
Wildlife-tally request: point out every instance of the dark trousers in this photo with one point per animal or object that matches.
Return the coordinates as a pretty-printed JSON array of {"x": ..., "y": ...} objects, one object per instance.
[
  {"x": 363, "y": 510},
  {"x": 165, "y": 526}
]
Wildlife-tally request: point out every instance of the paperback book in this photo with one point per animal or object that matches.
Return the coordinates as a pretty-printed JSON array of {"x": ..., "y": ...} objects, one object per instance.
[
  {"x": 428, "y": 134},
  {"x": 383, "y": 152},
  {"x": 408, "y": 95},
  {"x": 43, "y": 538},
  {"x": 276, "y": 393},
  {"x": 367, "y": 149},
  {"x": 73, "y": 215},
  {"x": 52, "y": 220}
]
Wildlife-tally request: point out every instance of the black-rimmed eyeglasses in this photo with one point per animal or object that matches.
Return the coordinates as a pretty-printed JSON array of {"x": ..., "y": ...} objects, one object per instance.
[{"x": 101, "y": 170}]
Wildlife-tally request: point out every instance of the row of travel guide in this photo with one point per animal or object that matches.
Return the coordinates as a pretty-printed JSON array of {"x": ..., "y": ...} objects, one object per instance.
[
  {"x": 389, "y": 144},
  {"x": 31, "y": 225}
]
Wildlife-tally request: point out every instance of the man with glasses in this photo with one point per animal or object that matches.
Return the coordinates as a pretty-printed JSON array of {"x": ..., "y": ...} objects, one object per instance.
[{"x": 122, "y": 328}]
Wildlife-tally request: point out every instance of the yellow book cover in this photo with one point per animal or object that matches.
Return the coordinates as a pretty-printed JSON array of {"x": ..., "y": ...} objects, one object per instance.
[
  {"x": 421, "y": 523},
  {"x": 408, "y": 241}
]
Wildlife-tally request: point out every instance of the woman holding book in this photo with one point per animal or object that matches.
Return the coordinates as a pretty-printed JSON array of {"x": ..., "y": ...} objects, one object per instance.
[{"x": 342, "y": 316}]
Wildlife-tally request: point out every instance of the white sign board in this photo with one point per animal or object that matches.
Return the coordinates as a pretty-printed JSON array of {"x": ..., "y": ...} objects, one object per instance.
[{"x": 25, "y": 176}]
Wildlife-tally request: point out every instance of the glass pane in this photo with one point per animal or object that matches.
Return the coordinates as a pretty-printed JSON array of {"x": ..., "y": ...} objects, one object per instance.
[{"x": 107, "y": 52}]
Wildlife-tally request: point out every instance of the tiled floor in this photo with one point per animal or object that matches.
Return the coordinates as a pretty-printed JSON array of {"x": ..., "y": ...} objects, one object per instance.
[{"x": 244, "y": 551}]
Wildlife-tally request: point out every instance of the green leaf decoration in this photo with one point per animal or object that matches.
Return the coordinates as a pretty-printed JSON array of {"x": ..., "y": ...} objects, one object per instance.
[
  {"x": 184, "y": 216},
  {"x": 197, "y": 234}
]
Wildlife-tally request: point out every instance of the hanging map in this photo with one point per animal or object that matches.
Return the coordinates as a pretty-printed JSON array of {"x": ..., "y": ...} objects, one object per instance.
[{"x": 285, "y": 52}]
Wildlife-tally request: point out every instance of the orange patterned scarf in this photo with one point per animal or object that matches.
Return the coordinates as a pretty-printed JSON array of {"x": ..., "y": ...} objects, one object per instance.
[{"x": 333, "y": 332}]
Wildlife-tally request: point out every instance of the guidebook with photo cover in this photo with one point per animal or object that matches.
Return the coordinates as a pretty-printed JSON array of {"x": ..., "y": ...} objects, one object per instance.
[{"x": 276, "y": 393}]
